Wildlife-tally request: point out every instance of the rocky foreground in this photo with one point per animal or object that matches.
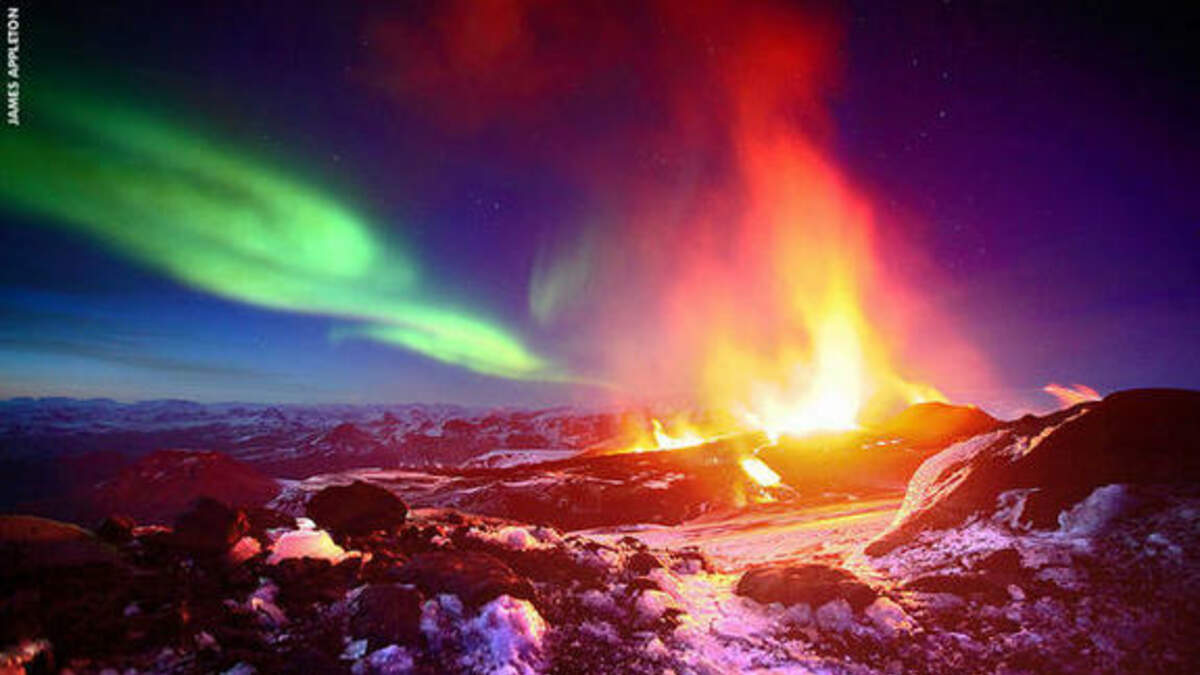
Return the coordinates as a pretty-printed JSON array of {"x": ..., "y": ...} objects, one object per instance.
[{"x": 1066, "y": 543}]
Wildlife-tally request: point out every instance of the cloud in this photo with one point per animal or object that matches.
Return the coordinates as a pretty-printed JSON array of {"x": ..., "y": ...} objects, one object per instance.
[
  {"x": 1070, "y": 395},
  {"x": 166, "y": 365}
]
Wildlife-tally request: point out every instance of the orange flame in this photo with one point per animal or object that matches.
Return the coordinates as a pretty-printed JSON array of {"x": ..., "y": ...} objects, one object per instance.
[
  {"x": 685, "y": 436},
  {"x": 682, "y": 436},
  {"x": 818, "y": 362}
]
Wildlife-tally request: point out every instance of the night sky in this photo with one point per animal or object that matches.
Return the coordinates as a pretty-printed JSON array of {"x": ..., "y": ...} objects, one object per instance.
[{"x": 323, "y": 205}]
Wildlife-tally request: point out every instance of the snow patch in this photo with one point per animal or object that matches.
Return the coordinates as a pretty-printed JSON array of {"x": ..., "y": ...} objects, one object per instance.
[
  {"x": 835, "y": 615},
  {"x": 514, "y": 537},
  {"x": 506, "y": 637},
  {"x": 650, "y": 606},
  {"x": 507, "y": 458},
  {"x": 390, "y": 660},
  {"x": 937, "y": 548},
  {"x": 306, "y": 544},
  {"x": 1091, "y": 515},
  {"x": 889, "y": 618}
]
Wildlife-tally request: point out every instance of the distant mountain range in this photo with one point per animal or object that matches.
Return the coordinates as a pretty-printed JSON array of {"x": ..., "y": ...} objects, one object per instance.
[
  {"x": 80, "y": 459},
  {"x": 56, "y": 446}
]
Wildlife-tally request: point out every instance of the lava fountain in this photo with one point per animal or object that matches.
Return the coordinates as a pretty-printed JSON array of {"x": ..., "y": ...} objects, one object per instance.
[
  {"x": 719, "y": 253},
  {"x": 766, "y": 306}
]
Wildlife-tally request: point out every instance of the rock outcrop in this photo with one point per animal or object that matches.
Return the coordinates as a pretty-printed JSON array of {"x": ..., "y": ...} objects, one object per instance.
[
  {"x": 1037, "y": 467},
  {"x": 356, "y": 509},
  {"x": 808, "y": 583},
  {"x": 161, "y": 486}
]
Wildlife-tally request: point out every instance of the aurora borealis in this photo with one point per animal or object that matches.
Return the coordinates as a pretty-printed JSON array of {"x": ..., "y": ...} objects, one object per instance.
[
  {"x": 223, "y": 224},
  {"x": 509, "y": 202}
]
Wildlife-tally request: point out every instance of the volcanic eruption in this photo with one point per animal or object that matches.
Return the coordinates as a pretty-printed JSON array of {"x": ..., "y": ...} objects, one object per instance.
[
  {"x": 756, "y": 268},
  {"x": 760, "y": 441}
]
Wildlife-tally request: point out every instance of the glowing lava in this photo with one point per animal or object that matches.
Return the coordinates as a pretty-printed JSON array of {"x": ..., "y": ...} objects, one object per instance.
[
  {"x": 681, "y": 436},
  {"x": 760, "y": 472},
  {"x": 682, "y": 439},
  {"x": 685, "y": 436}
]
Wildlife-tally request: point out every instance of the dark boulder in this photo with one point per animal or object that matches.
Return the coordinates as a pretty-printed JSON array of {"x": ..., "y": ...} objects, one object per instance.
[
  {"x": 965, "y": 585},
  {"x": 475, "y": 578},
  {"x": 32, "y": 544},
  {"x": 210, "y": 527},
  {"x": 383, "y": 567},
  {"x": 640, "y": 584},
  {"x": 308, "y": 660},
  {"x": 386, "y": 614},
  {"x": 642, "y": 562},
  {"x": 263, "y": 519},
  {"x": 116, "y": 529},
  {"x": 1001, "y": 562},
  {"x": 356, "y": 509},
  {"x": 305, "y": 581},
  {"x": 804, "y": 583},
  {"x": 60, "y": 583},
  {"x": 1143, "y": 436}
]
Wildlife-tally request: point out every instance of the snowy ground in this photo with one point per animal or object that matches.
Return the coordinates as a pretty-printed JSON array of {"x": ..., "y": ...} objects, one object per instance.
[
  {"x": 770, "y": 533},
  {"x": 505, "y": 458}
]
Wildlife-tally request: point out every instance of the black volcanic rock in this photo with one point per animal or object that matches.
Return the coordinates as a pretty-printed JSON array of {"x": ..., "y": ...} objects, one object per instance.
[
  {"x": 356, "y": 509},
  {"x": 643, "y": 562},
  {"x": 1146, "y": 436},
  {"x": 474, "y": 577},
  {"x": 58, "y": 583},
  {"x": 116, "y": 529},
  {"x": 303, "y": 581},
  {"x": 967, "y": 585},
  {"x": 29, "y": 543},
  {"x": 263, "y": 519},
  {"x": 386, "y": 614},
  {"x": 210, "y": 527},
  {"x": 809, "y": 583}
]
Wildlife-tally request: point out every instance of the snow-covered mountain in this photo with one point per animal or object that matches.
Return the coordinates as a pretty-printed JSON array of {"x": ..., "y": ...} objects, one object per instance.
[
  {"x": 270, "y": 433},
  {"x": 54, "y": 447}
]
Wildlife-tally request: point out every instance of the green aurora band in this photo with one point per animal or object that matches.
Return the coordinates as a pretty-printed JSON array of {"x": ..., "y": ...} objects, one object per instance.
[{"x": 220, "y": 222}]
